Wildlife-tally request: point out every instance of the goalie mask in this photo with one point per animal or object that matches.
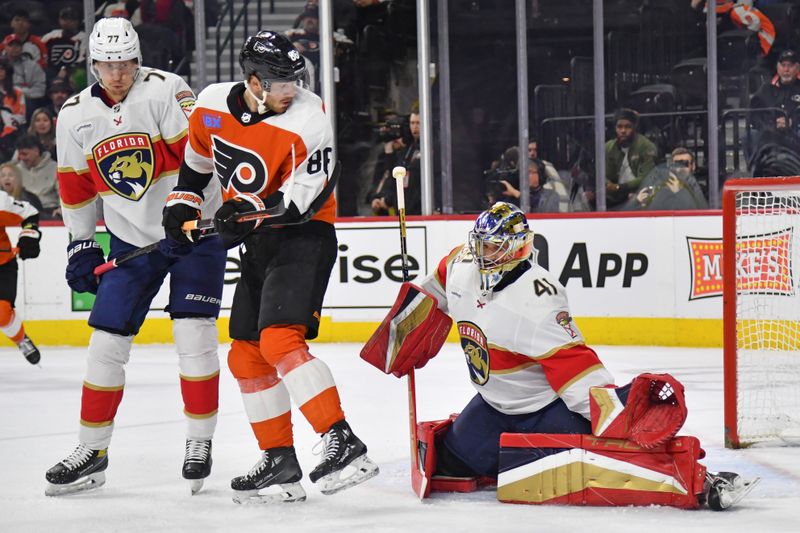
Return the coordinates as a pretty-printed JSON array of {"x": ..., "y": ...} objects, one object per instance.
[{"x": 499, "y": 241}]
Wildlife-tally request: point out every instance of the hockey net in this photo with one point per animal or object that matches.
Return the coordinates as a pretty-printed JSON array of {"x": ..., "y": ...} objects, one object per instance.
[{"x": 761, "y": 262}]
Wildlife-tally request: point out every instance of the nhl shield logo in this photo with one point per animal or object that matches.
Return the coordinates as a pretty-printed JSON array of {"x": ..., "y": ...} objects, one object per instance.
[
  {"x": 125, "y": 163},
  {"x": 476, "y": 352}
]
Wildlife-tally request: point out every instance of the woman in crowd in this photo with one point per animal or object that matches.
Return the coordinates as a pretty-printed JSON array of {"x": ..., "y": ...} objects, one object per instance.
[
  {"x": 43, "y": 126},
  {"x": 11, "y": 183}
]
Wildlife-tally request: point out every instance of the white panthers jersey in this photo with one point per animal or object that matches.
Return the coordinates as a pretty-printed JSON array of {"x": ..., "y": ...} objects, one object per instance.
[
  {"x": 126, "y": 153},
  {"x": 522, "y": 348}
]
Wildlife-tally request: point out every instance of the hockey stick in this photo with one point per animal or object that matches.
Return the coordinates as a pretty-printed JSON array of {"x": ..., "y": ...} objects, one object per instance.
[
  {"x": 399, "y": 174},
  {"x": 206, "y": 227}
]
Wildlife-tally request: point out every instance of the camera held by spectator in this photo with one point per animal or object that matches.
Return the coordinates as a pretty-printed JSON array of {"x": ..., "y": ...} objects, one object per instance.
[{"x": 395, "y": 128}]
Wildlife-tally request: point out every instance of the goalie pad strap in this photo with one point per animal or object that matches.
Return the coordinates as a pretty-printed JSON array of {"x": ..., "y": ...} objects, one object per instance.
[
  {"x": 540, "y": 468},
  {"x": 410, "y": 335}
]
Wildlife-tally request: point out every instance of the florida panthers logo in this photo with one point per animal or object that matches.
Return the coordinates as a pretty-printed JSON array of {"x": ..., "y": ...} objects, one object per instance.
[
  {"x": 476, "y": 351},
  {"x": 125, "y": 163},
  {"x": 239, "y": 169}
]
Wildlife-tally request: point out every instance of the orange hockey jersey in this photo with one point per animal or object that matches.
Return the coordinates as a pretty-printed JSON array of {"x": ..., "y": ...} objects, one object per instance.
[
  {"x": 12, "y": 213},
  {"x": 258, "y": 154}
]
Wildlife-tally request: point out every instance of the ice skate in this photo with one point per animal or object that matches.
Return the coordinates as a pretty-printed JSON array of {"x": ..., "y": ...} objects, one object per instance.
[
  {"x": 29, "y": 350},
  {"x": 726, "y": 489},
  {"x": 344, "y": 463},
  {"x": 84, "y": 469},
  {"x": 197, "y": 463},
  {"x": 275, "y": 478}
]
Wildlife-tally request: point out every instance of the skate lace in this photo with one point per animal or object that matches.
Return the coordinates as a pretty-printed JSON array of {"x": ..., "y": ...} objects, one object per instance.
[
  {"x": 197, "y": 450},
  {"x": 330, "y": 443},
  {"x": 259, "y": 466},
  {"x": 78, "y": 457}
]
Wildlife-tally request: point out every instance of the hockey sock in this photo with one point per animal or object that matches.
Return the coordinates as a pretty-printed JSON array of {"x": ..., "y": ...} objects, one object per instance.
[
  {"x": 196, "y": 343},
  {"x": 308, "y": 379},
  {"x": 266, "y": 400},
  {"x": 10, "y": 323}
]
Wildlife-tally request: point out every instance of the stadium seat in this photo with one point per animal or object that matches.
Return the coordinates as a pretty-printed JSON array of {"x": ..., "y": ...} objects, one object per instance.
[{"x": 689, "y": 79}]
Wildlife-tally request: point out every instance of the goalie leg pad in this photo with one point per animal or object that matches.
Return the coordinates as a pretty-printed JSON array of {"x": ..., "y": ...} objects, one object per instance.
[
  {"x": 537, "y": 468},
  {"x": 410, "y": 335}
]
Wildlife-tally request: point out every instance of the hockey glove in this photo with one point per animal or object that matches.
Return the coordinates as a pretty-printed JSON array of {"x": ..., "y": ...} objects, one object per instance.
[
  {"x": 28, "y": 242},
  {"x": 231, "y": 231},
  {"x": 82, "y": 258},
  {"x": 182, "y": 206}
]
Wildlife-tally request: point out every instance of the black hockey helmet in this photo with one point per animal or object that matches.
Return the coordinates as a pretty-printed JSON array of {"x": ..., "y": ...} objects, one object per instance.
[{"x": 272, "y": 58}]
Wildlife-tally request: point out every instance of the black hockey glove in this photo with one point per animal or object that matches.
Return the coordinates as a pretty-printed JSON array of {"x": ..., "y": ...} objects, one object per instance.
[
  {"x": 231, "y": 231},
  {"x": 182, "y": 206},
  {"x": 28, "y": 242},
  {"x": 82, "y": 258}
]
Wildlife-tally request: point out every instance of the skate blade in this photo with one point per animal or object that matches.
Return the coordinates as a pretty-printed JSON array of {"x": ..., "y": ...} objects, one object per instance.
[
  {"x": 195, "y": 485},
  {"x": 90, "y": 482},
  {"x": 744, "y": 491},
  {"x": 357, "y": 472},
  {"x": 287, "y": 493}
]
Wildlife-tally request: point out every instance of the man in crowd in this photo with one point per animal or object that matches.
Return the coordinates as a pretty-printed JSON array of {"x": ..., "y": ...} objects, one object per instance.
[
  {"x": 630, "y": 157},
  {"x": 39, "y": 174}
]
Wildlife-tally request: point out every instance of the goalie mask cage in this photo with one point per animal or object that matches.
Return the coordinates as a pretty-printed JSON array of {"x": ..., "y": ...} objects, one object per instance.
[{"x": 761, "y": 310}]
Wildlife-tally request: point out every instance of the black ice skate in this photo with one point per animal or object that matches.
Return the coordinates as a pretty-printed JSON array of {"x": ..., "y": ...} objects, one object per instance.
[
  {"x": 84, "y": 469},
  {"x": 29, "y": 350},
  {"x": 344, "y": 460},
  {"x": 726, "y": 489},
  {"x": 277, "y": 470},
  {"x": 197, "y": 463}
]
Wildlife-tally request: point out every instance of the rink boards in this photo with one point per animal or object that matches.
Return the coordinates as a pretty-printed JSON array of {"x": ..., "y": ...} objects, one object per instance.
[{"x": 647, "y": 280}]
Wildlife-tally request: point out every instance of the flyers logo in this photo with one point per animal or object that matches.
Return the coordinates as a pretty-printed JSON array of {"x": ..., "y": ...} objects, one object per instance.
[{"x": 238, "y": 169}]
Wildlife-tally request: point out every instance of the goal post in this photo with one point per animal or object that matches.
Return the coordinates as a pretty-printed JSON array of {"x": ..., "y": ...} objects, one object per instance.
[{"x": 761, "y": 310}]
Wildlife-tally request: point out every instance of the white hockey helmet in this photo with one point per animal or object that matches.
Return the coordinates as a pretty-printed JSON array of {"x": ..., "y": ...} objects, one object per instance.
[{"x": 114, "y": 39}]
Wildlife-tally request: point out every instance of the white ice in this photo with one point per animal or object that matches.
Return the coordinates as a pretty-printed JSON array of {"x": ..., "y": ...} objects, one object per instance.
[{"x": 39, "y": 410}]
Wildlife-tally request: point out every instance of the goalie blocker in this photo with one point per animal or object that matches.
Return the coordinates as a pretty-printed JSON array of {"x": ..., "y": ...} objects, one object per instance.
[{"x": 412, "y": 333}]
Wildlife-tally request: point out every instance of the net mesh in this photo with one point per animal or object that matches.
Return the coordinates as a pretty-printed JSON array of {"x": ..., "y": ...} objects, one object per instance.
[{"x": 767, "y": 315}]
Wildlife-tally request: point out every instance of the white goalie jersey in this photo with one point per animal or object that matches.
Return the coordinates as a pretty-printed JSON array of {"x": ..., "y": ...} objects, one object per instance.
[
  {"x": 127, "y": 153},
  {"x": 522, "y": 348}
]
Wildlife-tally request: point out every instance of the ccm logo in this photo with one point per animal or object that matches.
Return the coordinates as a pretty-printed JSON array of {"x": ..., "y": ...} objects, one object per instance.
[{"x": 203, "y": 298}]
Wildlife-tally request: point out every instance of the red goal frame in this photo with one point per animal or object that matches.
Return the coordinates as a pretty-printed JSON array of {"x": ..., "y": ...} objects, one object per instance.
[{"x": 731, "y": 188}]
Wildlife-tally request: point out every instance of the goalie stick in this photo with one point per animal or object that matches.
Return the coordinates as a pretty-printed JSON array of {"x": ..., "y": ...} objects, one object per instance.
[
  {"x": 206, "y": 226},
  {"x": 399, "y": 174}
]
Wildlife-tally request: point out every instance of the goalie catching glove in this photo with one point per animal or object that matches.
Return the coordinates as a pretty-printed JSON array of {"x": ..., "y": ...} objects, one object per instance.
[
  {"x": 648, "y": 413},
  {"x": 410, "y": 335}
]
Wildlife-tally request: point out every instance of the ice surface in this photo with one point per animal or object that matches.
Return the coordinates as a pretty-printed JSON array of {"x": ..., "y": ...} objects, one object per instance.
[{"x": 39, "y": 411}]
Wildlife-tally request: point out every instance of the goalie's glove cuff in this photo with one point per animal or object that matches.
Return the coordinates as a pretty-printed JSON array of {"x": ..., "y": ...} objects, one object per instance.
[{"x": 183, "y": 205}]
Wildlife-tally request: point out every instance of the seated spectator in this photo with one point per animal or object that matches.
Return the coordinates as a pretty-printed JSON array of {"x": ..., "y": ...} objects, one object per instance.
[
  {"x": 553, "y": 180},
  {"x": 66, "y": 45},
  {"x": 29, "y": 77},
  {"x": 541, "y": 200},
  {"x": 32, "y": 45},
  {"x": 12, "y": 100},
  {"x": 43, "y": 127},
  {"x": 11, "y": 183},
  {"x": 402, "y": 151},
  {"x": 305, "y": 38},
  {"x": 58, "y": 92},
  {"x": 777, "y": 153},
  {"x": 629, "y": 158},
  {"x": 671, "y": 188},
  {"x": 39, "y": 174},
  {"x": 782, "y": 92}
]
